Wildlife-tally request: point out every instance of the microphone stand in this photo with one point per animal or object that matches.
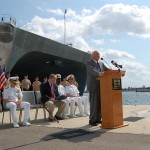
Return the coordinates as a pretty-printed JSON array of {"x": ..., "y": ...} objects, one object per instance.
[
  {"x": 116, "y": 65},
  {"x": 118, "y": 69},
  {"x": 106, "y": 63}
]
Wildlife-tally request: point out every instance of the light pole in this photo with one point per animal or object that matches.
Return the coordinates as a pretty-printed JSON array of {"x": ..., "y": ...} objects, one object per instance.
[{"x": 65, "y": 26}]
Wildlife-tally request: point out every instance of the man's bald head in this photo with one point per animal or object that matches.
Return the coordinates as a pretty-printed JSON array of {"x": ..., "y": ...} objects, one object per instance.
[{"x": 95, "y": 55}]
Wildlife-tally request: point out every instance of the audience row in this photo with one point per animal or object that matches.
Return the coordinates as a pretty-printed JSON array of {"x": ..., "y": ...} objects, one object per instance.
[{"x": 54, "y": 92}]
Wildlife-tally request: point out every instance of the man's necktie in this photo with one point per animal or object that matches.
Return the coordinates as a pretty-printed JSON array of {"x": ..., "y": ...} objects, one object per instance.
[
  {"x": 52, "y": 91},
  {"x": 98, "y": 66}
]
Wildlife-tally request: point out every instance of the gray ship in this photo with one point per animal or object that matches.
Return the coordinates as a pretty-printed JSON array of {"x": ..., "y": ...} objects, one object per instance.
[{"x": 22, "y": 52}]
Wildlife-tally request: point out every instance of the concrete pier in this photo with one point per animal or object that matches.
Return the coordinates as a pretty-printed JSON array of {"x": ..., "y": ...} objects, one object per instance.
[{"x": 77, "y": 134}]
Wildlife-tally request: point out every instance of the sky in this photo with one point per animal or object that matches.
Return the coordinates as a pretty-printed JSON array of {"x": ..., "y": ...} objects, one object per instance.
[{"x": 119, "y": 29}]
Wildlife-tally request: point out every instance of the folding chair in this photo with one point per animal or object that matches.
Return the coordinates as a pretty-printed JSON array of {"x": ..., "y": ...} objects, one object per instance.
[
  {"x": 38, "y": 102},
  {"x": 29, "y": 96}
]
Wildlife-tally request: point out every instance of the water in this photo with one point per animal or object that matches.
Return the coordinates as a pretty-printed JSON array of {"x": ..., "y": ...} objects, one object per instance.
[{"x": 134, "y": 98}]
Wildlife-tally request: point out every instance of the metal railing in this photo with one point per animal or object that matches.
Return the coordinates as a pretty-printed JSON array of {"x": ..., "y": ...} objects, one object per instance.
[{"x": 7, "y": 18}]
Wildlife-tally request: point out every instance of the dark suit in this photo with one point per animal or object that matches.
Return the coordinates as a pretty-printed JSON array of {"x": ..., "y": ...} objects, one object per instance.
[
  {"x": 93, "y": 86},
  {"x": 46, "y": 94}
]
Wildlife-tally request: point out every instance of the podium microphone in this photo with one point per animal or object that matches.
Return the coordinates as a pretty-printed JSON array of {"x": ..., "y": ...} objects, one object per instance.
[
  {"x": 106, "y": 63},
  {"x": 116, "y": 65}
]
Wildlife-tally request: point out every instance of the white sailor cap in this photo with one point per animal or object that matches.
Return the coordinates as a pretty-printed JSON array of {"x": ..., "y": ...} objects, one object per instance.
[
  {"x": 71, "y": 76},
  {"x": 14, "y": 79},
  {"x": 58, "y": 76}
]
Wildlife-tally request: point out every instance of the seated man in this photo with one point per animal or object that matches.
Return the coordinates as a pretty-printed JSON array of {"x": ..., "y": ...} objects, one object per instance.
[
  {"x": 69, "y": 101},
  {"x": 50, "y": 98},
  {"x": 13, "y": 98},
  {"x": 73, "y": 92}
]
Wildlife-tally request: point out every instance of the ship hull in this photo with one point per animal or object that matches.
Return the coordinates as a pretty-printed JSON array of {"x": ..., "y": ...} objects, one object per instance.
[{"x": 39, "y": 56}]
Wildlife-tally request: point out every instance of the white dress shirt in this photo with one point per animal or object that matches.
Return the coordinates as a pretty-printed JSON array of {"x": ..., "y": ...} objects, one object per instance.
[{"x": 61, "y": 90}]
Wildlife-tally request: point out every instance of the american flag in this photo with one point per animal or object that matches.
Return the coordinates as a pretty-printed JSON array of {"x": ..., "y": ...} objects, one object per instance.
[{"x": 2, "y": 78}]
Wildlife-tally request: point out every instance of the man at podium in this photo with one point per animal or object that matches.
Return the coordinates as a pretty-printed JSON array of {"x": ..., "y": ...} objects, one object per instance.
[{"x": 95, "y": 68}]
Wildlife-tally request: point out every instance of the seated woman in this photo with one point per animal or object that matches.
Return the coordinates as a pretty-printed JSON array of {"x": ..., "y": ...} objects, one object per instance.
[
  {"x": 69, "y": 101},
  {"x": 73, "y": 92}
]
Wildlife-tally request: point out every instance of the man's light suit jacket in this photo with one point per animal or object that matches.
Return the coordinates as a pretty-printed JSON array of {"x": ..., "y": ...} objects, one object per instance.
[{"x": 93, "y": 72}]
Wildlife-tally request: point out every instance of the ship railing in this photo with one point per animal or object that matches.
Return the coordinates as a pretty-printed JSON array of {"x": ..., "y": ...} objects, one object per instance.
[{"x": 7, "y": 18}]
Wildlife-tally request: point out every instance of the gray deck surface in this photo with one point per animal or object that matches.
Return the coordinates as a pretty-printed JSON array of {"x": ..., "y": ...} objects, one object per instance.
[{"x": 76, "y": 134}]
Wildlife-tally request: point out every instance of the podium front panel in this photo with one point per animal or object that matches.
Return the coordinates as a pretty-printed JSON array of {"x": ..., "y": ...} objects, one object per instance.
[{"x": 111, "y": 99}]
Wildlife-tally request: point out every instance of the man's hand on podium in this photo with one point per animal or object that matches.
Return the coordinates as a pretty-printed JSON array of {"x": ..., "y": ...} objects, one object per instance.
[
  {"x": 122, "y": 73},
  {"x": 101, "y": 74}
]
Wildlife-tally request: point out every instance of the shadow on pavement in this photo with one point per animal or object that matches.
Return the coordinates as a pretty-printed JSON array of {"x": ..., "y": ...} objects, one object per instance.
[
  {"x": 133, "y": 119},
  {"x": 6, "y": 126},
  {"x": 74, "y": 135}
]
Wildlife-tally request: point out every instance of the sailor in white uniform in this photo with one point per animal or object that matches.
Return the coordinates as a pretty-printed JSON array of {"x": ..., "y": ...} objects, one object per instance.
[
  {"x": 13, "y": 98},
  {"x": 69, "y": 101},
  {"x": 73, "y": 92}
]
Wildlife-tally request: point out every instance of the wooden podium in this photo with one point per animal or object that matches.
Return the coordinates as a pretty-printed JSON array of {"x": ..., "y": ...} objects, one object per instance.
[{"x": 111, "y": 99}]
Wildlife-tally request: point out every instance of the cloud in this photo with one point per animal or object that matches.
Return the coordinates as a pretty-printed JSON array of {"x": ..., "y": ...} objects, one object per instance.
[
  {"x": 40, "y": 8},
  {"x": 117, "y": 55},
  {"x": 136, "y": 72},
  {"x": 114, "y": 41},
  {"x": 55, "y": 11},
  {"x": 98, "y": 42},
  {"x": 86, "y": 12},
  {"x": 121, "y": 18},
  {"x": 71, "y": 15},
  {"x": 79, "y": 41},
  {"x": 47, "y": 27},
  {"x": 109, "y": 20}
]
